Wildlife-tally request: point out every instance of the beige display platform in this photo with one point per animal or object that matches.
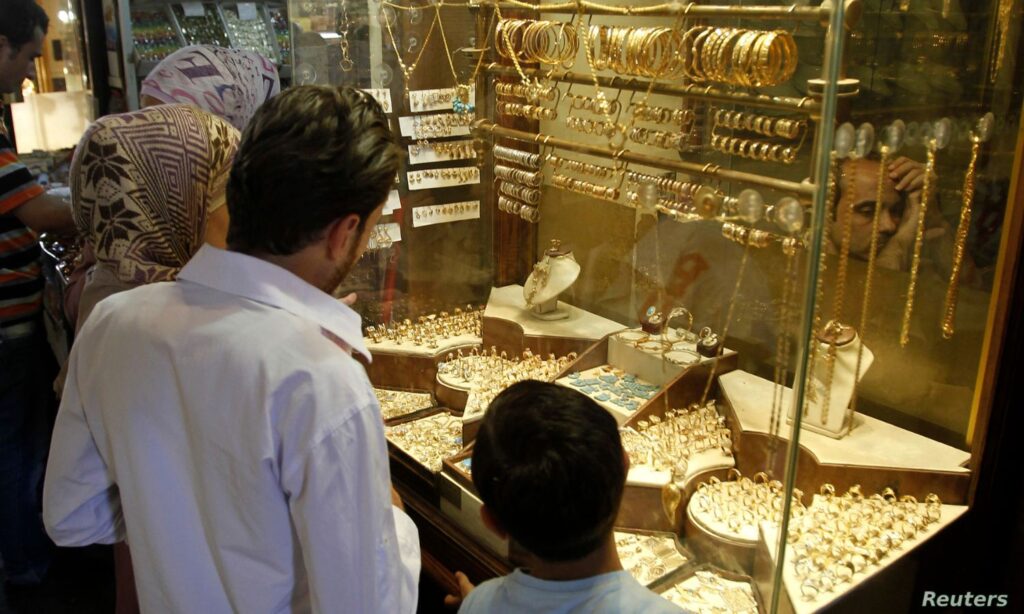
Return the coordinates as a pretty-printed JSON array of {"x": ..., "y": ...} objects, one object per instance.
[
  {"x": 875, "y": 454},
  {"x": 793, "y": 601},
  {"x": 507, "y": 304}
]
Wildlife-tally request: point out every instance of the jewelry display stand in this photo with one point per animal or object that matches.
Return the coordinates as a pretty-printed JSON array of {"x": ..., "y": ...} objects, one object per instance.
[
  {"x": 554, "y": 274},
  {"x": 835, "y": 362},
  {"x": 875, "y": 454}
]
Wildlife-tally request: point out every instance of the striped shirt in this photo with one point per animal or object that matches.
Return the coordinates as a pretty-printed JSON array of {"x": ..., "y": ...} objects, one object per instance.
[{"x": 21, "y": 281}]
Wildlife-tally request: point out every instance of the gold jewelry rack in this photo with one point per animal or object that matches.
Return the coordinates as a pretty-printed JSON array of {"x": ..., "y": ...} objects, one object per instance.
[
  {"x": 701, "y": 92},
  {"x": 797, "y": 13},
  {"x": 710, "y": 171}
]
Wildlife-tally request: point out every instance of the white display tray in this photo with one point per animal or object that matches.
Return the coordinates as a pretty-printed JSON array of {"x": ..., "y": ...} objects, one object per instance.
[{"x": 871, "y": 443}]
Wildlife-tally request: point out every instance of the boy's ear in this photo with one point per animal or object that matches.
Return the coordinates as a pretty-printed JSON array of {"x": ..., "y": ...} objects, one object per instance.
[{"x": 491, "y": 522}]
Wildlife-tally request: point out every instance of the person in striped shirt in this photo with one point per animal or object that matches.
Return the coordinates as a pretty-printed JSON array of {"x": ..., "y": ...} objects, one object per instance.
[{"x": 25, "y": 366}]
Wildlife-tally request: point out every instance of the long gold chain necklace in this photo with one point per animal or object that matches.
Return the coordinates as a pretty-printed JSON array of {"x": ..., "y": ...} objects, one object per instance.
[
  {"x": 728, "y": 320},
  {"x": 883, "y": 164},
  {"x": 782, "y": 341},
  {"x": 819, "y": 291},
  {"x": 915, "y": 263},
  {"x": 960, "y": 243},
  {"x": 842, "y": 270}
]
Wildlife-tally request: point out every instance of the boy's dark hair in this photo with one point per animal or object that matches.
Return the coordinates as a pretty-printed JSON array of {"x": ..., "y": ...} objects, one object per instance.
[
  {"x": 19, "y": 20},
  {"x": 309, "y": 156},
  {"x": 547, "y": 462}
]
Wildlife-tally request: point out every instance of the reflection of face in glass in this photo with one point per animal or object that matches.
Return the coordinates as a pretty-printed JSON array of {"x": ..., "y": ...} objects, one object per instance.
[{"x": 857, "y": 204}]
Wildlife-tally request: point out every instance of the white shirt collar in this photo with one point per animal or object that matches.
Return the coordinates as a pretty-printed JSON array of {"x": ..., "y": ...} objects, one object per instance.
[{"x": 261, "y": 281}]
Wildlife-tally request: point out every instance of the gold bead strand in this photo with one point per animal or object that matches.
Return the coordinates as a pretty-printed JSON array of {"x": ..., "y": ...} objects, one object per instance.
[{"x": 926, "y": 195}]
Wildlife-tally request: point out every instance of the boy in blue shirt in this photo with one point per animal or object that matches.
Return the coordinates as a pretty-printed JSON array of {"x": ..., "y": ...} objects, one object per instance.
[{"x": 549, "y": 465}]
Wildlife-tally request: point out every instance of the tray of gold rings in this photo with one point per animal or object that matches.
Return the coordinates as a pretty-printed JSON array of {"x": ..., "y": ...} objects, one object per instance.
[
  {"x": 398, "y": 403},
  {"x": 432, "y": 333},
  {"x": 843, "y": 538},
  {"x": 427, "y": 437},
  {"x": 734, "y": 508},
  {"x": 708, "y": 590},
  {"x": 649, "y": 556}
]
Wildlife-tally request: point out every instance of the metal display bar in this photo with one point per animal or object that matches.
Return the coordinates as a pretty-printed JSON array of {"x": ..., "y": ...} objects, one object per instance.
[
  {"x": 710, "y": 171},
  {"x": 690, "y": 9},
  {"x": 702, "y": 92}
]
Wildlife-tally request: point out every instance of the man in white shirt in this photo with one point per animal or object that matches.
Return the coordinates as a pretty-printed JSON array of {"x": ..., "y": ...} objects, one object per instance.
[{"x": 219, "y": 422}]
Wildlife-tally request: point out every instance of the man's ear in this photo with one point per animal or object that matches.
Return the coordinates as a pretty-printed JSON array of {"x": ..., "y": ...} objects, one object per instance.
[
  {"x": 625, "y": 461},
  {"x": 341, "y": 234},
  {"x": 491, "y": 522}
]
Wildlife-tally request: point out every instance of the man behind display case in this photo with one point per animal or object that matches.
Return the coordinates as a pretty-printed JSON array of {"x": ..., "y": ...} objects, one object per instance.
[{"x": 219, "y": 422}]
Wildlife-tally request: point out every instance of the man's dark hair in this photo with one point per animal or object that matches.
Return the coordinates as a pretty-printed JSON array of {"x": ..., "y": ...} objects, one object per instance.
[
  {"x": 309, "y": 156},
  {"x": 19, "y": 20},
  {"x": 548, "y": 464}
]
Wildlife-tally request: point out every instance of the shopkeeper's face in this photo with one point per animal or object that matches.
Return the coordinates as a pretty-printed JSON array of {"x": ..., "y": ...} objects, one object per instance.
[
  {"x": 18, "y": 64},
  {"x": 857, "y": 207}
]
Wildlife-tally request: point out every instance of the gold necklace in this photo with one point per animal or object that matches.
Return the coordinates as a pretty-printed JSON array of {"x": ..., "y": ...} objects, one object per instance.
[
  {"x": 461, "y": 102},
  {"x": 960, "y": 243},
  {"x": 883, "y": 164},
  {"x": 819, "y": 292},
  {"x": 407, "y": 71},
  {"x": 915, "y": 264},
  {"x": 789, "y": 248}
]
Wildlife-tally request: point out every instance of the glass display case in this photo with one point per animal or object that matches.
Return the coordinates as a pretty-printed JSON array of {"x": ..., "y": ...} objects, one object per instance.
[
  {"x": 141, "y": 33},
  {"x": 768, "y": 238}
]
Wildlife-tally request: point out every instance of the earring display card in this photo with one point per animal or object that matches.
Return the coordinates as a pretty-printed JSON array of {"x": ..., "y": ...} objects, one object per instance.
[
  {"x": 435, "y": 125},
  {"x": 443, "y": 151},
  {"x": 443, "y": 177},
  {"x": 393, "y": 203},
  {"x": 442, "y": 214},
  {"x": 381, "y": 95},
  {"x": 393, "y": 231},
  {"x": 435, "y": 100}
]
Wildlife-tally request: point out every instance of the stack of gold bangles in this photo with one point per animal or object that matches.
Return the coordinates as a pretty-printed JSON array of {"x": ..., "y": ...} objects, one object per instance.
[
  {"x": 584, "y": 168},
  {"x": 737, "y": 56},
  {"x": 527, "y": 195},
  {"x": 645, "y": 52},
  {"x": 759, "y": 124},
  {"x": 507, "y": 173},
  {"x": 584, "y": 187},
  {"x": 528, "y": 40},
  {"x": 531, "y": 91},
  {"x": 600, "y": 127},
  {"x": 525, "y": 110},
  {"x": 658, "y": 138},
  {"x": 662, "y": 115},
  {"x": 516, "y": 156},
  {"x": 682, "y": 188},
  {"x": 755, "y": 149}
]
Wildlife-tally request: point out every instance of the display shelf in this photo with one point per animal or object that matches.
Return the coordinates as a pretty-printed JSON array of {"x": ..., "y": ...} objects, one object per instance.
[
  {"x": 797, "y": 604},
  {"x": 874, "y": 453}
]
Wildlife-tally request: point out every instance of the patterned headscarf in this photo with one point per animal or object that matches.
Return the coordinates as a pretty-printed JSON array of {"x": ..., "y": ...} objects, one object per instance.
[
  {"x": 229, "y": 83},
  {"x": 142, "y": 184}
]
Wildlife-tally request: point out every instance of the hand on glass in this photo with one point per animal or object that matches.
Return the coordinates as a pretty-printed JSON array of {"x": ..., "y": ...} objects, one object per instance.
[{"x": 465, "y": 587}]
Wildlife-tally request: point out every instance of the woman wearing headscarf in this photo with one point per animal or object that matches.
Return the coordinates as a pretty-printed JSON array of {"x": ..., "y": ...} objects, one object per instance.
[
  {"x": 143, "y": 186},
  {"x": 229, "y": 83}
]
